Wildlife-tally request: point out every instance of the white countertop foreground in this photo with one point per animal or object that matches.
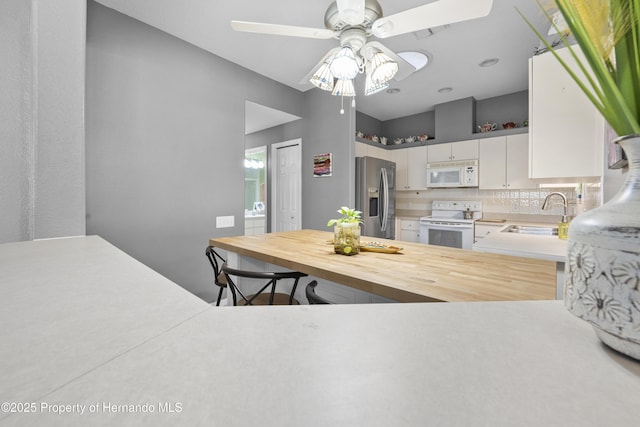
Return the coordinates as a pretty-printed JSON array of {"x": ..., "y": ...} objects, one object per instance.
[
  {"x": 84, "y": 325},
  {"x": 549, "y": 248}
]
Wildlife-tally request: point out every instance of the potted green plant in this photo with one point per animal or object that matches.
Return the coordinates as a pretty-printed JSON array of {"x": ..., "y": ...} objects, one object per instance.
[
  {"x": 346, "y": 238},
  {"x": 602, "y": 275}
]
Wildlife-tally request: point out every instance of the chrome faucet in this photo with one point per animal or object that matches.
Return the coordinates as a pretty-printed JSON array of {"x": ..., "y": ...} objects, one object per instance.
[{"x": 547, "y": 204}]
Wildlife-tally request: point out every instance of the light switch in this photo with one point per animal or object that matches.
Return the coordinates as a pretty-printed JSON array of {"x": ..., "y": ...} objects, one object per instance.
[{"x": 225, "y": 221}]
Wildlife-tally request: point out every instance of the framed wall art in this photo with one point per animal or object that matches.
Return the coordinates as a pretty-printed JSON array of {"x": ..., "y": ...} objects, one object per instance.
[{"x": 322, "y": 165}]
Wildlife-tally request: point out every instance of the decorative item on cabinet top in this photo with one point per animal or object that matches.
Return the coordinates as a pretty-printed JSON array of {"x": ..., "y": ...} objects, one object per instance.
[{"x": 396, "y": 141}]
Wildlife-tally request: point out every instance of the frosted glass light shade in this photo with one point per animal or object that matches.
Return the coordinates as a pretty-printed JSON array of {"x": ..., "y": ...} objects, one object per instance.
[
  {"x": 370, "y": 87},
  {"x": 344, "y": 88},
  {"x": 344, "y": 65},
  {"x": 322, "y": 78},
  {"x": 384, "y": 68}
]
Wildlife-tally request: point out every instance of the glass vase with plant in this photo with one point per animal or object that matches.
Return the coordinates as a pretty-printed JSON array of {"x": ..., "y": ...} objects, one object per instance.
[
  {"x": 602, "y": 273},
  {"x": 346, "y": 238}
]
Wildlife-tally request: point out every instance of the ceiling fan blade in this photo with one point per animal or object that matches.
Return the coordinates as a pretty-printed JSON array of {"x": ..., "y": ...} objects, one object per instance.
[
  {"x": 430, "y": 15},
  {"x": 282, "y": 30},
  {"x": 404, "y": 68},
  {"x": 305, "y": 79}
]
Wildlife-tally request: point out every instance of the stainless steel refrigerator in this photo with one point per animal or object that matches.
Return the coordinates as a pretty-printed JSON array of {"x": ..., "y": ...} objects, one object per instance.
[{"x": 376, "y": 196}]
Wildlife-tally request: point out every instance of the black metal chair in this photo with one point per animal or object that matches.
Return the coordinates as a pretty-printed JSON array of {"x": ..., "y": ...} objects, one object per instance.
[
  {"x": 271, "y": 297},
  {"x": 312, "y": 296},
  {"x": 219, "y": 278}
]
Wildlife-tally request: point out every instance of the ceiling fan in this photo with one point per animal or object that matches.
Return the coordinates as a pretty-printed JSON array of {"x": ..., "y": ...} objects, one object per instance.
[{"x": 353, "y": 22}]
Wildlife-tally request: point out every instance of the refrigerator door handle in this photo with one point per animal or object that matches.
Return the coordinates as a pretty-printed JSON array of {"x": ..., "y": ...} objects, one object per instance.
[{"x": 384, "y": 209}]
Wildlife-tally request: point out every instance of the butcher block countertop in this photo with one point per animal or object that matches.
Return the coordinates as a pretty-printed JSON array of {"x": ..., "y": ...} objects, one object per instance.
[{"x": 417, "y": 273}]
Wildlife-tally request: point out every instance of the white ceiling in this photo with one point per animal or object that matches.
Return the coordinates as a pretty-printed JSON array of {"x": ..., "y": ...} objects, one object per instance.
[
  {"x": 259, "y": 117},
  {"x": 456, "y": 50}
]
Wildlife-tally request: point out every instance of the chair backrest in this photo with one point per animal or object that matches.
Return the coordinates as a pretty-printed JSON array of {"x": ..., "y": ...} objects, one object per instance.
[
  {"x": 271, "y": 279},
  {"x": 312, "y": 296},
  {"x": 216, "y": 263}
]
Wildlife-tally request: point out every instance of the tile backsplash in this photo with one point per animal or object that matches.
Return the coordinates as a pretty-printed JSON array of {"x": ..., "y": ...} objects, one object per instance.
[{"x": 508, "y": 204}]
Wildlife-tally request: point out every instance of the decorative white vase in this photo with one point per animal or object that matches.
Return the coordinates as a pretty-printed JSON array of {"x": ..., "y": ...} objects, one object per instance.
[
  {"x": 346, "y": 238},
  {"x": 602, "y": 274}
]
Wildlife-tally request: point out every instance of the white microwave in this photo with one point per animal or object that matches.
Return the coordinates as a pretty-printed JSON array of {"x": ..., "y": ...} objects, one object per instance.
[{"x": 452, "y": 174}]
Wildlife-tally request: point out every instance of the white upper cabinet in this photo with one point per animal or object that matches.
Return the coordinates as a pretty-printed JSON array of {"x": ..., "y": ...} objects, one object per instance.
[
  {"x": 504, "y": 163},
  {"x": 566, "y": 132},
  {"x": 461, "y": 150},
  {"x": 411, "y": 167},
  {"x": 362, "y": 150}
]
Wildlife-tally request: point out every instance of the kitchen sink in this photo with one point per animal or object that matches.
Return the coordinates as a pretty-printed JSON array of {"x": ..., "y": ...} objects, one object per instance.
[{"x": 532, "y": 229}]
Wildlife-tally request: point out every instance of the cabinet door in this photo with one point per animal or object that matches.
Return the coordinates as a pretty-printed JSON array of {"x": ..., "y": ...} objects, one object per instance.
[
  {"x": 464, "y": 150},
  {"x": 377, "y": 152},
  {"x": 493, "y": 163},
  {"x": 409, "y": 236},
  {"x": 518, "y": 162},
  {"x": 360, "y": 149},
  {"x": 566, "y": 132},
  {"x": 400, "y": 159},
  {"x": 481, "y": 230},
  {"x": 416, "y": 160},
  {"x": 439, "y": 152}
]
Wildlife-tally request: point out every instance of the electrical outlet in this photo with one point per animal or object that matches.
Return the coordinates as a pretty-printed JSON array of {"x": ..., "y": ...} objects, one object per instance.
[{"x": 225, "y": 221}]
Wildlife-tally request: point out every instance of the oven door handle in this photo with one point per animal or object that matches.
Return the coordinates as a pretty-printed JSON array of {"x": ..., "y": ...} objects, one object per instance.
[{"x": 446, "y": 225}]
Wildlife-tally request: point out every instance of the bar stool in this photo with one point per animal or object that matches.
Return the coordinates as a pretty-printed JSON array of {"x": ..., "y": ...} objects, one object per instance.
[
  {"x": 270, "y": 297},
  {"x": 312, "y": 296},
  {"x": 219, "y": 278}
]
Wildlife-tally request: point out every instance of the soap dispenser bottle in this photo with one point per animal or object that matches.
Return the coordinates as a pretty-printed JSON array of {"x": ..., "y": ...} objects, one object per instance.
[{"x": 563, "y": 228}]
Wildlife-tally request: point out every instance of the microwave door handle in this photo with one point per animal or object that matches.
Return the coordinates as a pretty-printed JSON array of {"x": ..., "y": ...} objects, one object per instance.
[{"x": 384, "y": 188}]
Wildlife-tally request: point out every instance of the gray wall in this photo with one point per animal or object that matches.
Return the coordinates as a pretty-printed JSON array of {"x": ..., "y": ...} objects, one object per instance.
[
  {"x": 165, "y": 143},
  {"x": 414, "y": 125},
  {"x": 42, "y": 128},
  {"x": 512, "y": 107},
  {"x": 458, "y": 119},
  {"x": 327, "y": 131}
]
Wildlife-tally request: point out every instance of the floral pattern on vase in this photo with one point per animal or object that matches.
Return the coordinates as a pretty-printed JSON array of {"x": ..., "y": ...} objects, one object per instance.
[{"x": 602, "y": 272}]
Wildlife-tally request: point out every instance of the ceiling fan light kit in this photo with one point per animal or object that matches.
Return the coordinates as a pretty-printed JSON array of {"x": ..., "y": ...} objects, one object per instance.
[
  {"x": 322, "y": 78},
  {"x": 370, "y": 87},
  {"x": 384, "y": 68},
  {"x": 353, "y": 22},
  {"x": 344, "y": 66}
]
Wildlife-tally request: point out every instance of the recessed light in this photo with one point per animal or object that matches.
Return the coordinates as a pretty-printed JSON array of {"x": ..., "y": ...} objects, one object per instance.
[
  {"x": 445, "y": 89},
  {"x": 489, "y": 62},
  {"x": 418, "y": 60},
  {"x": 393, "y": 90}
]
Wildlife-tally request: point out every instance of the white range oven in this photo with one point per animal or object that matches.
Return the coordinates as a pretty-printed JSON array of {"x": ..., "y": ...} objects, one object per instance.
[{"x": 450, "y": 224}]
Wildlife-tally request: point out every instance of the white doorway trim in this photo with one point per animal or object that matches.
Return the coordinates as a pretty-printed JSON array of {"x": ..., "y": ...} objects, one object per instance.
[{"x": 274, "y": 182}]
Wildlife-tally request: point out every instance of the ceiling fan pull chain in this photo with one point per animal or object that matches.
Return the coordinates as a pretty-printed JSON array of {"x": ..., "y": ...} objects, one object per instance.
[{"x": 341, "y": 104}]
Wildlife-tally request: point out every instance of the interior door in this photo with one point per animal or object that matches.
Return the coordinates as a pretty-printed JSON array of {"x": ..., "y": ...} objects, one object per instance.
[{"x": 286, "y": 185}]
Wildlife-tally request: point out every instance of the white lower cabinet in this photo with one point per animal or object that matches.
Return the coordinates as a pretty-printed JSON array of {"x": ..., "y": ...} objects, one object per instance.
[
  {"x": 254, "y": 225},
  {"x": 504, "y": 163},
  {"x": 408, "y": 230},
  {"x": 482, "y": 229}
]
